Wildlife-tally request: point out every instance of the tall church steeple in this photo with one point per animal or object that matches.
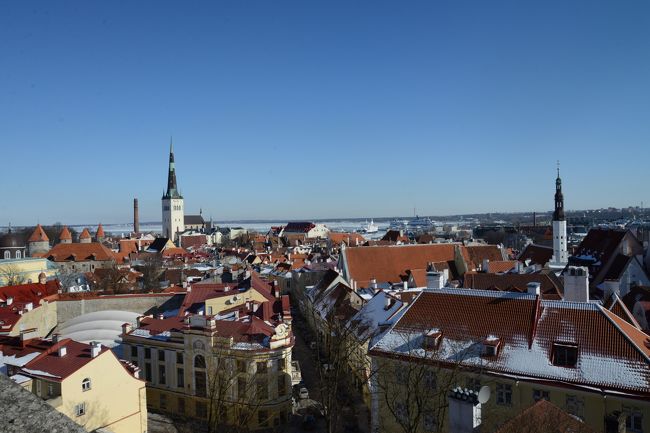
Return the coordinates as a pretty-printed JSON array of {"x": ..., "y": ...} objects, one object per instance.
[
  {"x": 558, "y": 214},
  {"x": 560, "y": 249},
  {"x": 172, "y": 187},
  {"x": 173, "y": 218}
]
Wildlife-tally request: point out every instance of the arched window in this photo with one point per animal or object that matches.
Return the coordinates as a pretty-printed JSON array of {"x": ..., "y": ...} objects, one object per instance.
[
  {"x": 85, "y": 384},
  {"x": 199, "y": 361},
  {"x": 7, "y": 255},
  {"x": 18, "y": 255}
]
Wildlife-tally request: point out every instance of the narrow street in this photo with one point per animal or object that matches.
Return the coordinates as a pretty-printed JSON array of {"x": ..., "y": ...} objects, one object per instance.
[{"x": 310, "y": 377}]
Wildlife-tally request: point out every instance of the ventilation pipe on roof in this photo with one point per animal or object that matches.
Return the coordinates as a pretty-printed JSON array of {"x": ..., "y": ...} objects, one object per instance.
[
  {"x": 95, "y": 348},
  {"x": 56, "y": 338},
  {"x": 373, "y": 284},
  {"x": 534, "y": 288},
  {"x": 405, "y": 285},
  {"x": 576, "y": 284}
]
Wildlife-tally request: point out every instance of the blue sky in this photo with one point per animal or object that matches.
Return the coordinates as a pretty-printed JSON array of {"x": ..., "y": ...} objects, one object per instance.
[{"x": 311, "y": 109}]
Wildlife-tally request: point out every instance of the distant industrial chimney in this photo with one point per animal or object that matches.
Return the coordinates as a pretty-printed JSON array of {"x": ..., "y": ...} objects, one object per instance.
[{"x": 136, "y": 217}]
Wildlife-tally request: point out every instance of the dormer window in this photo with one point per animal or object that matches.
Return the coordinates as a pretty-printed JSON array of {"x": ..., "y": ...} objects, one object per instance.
[
  {"x": 565, "y": 354},
  {"x": 432, "y": 339},
  {"x": 491, "y": 346}
]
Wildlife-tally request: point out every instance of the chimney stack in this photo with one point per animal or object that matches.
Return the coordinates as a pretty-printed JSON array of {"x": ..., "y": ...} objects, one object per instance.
[
  {"x": 62, "y": 351},
  {"x": 95, "y": 348},
  {"x": 533, "y": 288},
  {"x": 136, "y": 216},
  {"x": 576, "y": 284},
  {"x": 464, "y": 410}
]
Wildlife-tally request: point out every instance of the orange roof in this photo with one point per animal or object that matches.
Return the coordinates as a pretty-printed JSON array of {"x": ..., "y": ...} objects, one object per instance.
[
  {"x": 100, "y": 231},
  {"x": 494, "y": 267},
  {"x": 389, "y": 263},
  {"x": 547, "y": 417},
  {"x": 65, "y": 234},
  {"x": 38, "y": 235},
  {"x": 85, "y": 234},
  {"x": 174, "y": 251},
  {"x": 475, "y": 254},
  {"x": 348, "y": 238},
  {"x": 80, "y": 252}
]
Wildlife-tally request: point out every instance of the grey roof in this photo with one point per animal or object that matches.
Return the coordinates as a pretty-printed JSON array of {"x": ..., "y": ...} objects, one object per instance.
[
  {"x": 194, "y": 220},
  {"x": 22, "y": 412}
]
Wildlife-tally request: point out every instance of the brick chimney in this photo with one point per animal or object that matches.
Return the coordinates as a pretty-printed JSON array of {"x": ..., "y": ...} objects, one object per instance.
[{"x": 136, "y": 216}]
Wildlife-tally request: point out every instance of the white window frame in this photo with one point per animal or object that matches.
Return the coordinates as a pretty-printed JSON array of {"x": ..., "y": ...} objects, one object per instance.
[{"x": 80, "y": 409}]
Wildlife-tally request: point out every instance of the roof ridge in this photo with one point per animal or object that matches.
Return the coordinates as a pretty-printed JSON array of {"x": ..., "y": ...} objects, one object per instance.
[{"x": 619, "y": 326}]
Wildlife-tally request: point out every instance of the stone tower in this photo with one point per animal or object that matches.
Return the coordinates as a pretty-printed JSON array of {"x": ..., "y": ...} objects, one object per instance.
[
  {"x": 560, "y": 252},
  {"x": 38, "y": 242},
  {"x": 173, "y": 215}
]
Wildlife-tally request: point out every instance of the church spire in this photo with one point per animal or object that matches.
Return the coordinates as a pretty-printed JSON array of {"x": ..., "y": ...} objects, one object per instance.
[
  {"x": 172, "y": 187},
  {"x": 558, "y": 214}
]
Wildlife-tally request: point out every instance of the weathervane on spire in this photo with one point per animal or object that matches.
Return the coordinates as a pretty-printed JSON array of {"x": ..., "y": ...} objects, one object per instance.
[{"x": 558, "y": 168}]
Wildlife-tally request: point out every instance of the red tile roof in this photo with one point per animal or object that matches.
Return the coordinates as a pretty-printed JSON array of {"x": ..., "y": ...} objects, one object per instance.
[
  {"x": 21, "y": 295},
  {"x": 85, "y": 234},
  {"x": 80, "y": 252},
  {"x": 51, "y": 366},
  {"x": 65, "y": 234},
  {"x": 38, "y": 235},
  {"x": 100, "y": 231},
  {"x": 617, "y": 307},
  {"x": 475, "y": 254},
  {"x": 546, "y": 417},
  {"x": 389, "y": 263},
  {"x": 338, "y": 238},
  {"x": 612, "y": 354},
  {"x": 551, "y": 287},
  {"x": 537, "y": 254},
  {"x": 496, "y": 266}
]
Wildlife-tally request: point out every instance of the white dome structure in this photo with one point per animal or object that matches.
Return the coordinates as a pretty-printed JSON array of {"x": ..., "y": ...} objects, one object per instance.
[{"x": 102, "y": 326}]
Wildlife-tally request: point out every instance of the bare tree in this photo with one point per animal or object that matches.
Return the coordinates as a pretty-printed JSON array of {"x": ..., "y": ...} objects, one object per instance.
[
  {"x": 10, "y": 276},
  {"x": 412, "y": 386},
  {"x": 337, "y": 356},
  {"x": 233, "y": 389},
  {"x": 151, "y": 269}
]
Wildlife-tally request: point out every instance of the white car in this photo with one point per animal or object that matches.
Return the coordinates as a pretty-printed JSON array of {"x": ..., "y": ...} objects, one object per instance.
[{"x": 303, "y": 394}]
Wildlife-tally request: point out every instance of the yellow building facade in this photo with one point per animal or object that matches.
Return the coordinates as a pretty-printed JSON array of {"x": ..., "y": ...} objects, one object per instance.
[
  {"x": 85, "y": 382},
  {"x": 221, "y": 372}
]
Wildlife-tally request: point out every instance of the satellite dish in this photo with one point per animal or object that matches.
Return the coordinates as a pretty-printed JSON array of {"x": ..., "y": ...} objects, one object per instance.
[{"x": 484, "y": 394}]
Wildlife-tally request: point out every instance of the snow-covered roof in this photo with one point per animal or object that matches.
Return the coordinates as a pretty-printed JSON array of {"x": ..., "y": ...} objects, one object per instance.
[{"x": 611, "y": 353}]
